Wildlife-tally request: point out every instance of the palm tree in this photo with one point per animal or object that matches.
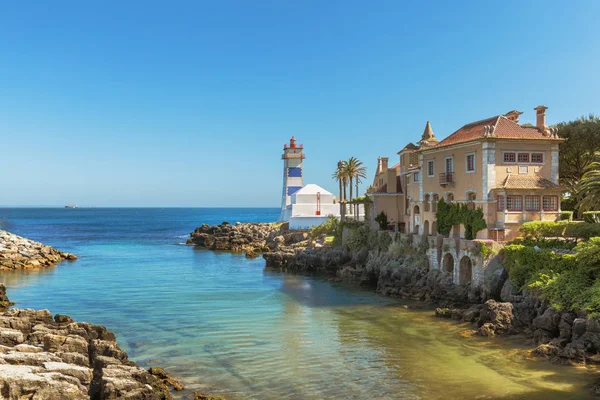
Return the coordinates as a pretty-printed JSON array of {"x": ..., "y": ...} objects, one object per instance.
[
  {"x": 588, "y": 188},
  {"x": 354, "y": 171},
  {"x": 340, "y": 176}
]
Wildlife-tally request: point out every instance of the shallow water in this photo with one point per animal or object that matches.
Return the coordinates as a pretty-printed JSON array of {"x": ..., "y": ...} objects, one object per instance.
[{"x": 223, "y": 325}]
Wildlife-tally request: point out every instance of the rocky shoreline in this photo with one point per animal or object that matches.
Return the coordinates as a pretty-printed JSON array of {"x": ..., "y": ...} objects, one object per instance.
[
  {"x": 53, "y": 357},
  {"x": 17, "y": 252},
  {"x": 495, "y": 308}
]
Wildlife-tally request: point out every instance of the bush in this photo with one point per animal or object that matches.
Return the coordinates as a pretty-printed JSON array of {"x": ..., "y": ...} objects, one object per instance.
[
  {"x": 539, "y": 230},
  {"x": 449, "y": 215},
  {"x": 566, "y": 216},
  {"x": 382, "y": 220},
  {"x": 591, "y": 216},
  {"x": 445, "y": 217}
]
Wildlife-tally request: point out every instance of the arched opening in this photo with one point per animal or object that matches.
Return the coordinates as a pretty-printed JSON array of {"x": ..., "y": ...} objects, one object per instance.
[
  {"x": 450, "y": 197},
  {"x": 426, "y": 228},
  {"x": 434, "y": 228},
  {"x": 449, "y": 264},
  {"x": 426, "y": 205},
  {"x": 436, "y": 199},
  {"x": 466, "y": 270},
  {"x": 417, "y": 219}
]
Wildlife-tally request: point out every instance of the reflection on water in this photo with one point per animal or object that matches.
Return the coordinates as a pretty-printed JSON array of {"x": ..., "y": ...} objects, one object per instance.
[{"x": 222, "y": 325}]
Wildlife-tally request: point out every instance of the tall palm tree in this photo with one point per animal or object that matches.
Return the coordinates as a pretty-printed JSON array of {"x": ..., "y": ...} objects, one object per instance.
[
  {"x": 355, "y": 170},
  {"x": 588, "y": 188},
  {"x": 340, "y": 176}
]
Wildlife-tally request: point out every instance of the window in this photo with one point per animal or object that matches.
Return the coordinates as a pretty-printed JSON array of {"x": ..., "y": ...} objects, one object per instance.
[
  {"x": 449, "y": 165},
  {"x": 523, "y": 169},
  {"x": 470, "y": 162},
  {"x": 523, "y": 157},
  {"x": 509, "y": 157},
  {"x": 416, "y": 177},
  {"x": 430, "y": 168},
  {"x": 514, "y": 203},
  {"x": 436, "y": 199},
  {"x": 550, "y": 203},
  {"x": 537, "y": 158},
  {"x": 500, "y": 200},
  {"x": 532, "y": 203},
  {"x": 450, "y": 196}
]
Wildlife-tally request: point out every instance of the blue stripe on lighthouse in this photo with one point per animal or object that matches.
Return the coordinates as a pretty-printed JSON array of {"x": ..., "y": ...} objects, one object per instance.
[
  {"x": 293, "y": 189},
  {"x": 295, "y": 172}
]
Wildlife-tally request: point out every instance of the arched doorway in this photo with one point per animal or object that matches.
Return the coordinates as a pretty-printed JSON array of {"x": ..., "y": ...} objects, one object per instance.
[
  {"x": 449, "y": 264},
  {"x": 471, "y": 197},
  {"x": 466, "y": 270},
  {"x": 417, "y": 219},
  {"x": 434, "y": 228},
  {"x": 426, "y": 228}
]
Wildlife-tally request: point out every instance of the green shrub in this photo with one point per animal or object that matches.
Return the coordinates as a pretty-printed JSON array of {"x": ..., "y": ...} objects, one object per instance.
[
  {"x": 566, "y": 216},
  {"x": 449, "y": 214},
  {"x": 538, "y": 230},
  {"x": 591, "y": 216},
  {"x": 523, "y": 262},
  {"x": 382, "y": 220},
  {"x": 327, "y": 228},
  {"x": 445, "y": 217}
]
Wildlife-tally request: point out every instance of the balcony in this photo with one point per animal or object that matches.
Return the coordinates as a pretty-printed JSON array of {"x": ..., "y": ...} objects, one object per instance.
[
  {"x": 446, "y": 178},
  {"x": 295, "y": 146}
]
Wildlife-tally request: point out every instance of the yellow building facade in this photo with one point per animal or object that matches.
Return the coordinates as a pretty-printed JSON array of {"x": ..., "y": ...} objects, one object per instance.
[{"x": 507, "y": 169}]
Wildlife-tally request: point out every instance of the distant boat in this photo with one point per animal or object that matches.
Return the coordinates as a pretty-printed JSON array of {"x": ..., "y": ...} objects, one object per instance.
[{"x": 71, "y": 206}]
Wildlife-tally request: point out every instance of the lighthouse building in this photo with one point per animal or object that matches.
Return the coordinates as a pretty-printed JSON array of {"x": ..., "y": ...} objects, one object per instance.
[{"x": 303, "y": 206}]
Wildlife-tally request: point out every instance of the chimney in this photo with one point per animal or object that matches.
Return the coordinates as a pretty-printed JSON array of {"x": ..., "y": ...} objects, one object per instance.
[
  {"x": 384, "y": 163},
  {"x": 540, "y": 121}
]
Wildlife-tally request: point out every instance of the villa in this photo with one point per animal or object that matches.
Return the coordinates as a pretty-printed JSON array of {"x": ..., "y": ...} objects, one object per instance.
[{"x": 507, "y": 169}]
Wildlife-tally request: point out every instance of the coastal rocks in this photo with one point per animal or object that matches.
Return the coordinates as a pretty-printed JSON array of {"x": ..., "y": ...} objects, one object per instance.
[
  {"x": 249, "y": 238},
  {"x": 495, "y": 318},
  {"x": 44, "y": 357},
  {"x": 20, "y": 253}
]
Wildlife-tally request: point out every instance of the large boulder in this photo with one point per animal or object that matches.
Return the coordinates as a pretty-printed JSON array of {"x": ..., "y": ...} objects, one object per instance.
[{"x": 495, "y": 318}]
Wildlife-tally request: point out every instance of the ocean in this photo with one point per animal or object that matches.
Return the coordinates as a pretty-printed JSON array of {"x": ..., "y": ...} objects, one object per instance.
[{"x": 221, "y": 324}]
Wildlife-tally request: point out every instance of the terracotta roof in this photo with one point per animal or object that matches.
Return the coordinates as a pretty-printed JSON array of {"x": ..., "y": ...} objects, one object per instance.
[
  {"x": 513, "y": 181},
  {"x": 494, "y": 127}
]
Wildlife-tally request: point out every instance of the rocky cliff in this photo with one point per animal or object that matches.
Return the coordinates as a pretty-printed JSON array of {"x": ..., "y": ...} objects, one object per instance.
[
  {"x": 46, "y": 357},
  {"x": 20, "y": 253},
  {"x": 249, "y": 238},
  {"x": 495, "y": 308}
]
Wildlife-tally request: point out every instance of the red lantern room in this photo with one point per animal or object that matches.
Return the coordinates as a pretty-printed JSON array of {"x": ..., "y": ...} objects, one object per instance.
[{"x": 293, "y": 143}]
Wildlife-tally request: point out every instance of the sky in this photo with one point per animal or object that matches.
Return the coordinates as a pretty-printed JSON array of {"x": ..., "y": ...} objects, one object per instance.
[{"x": 188, "y": 103}]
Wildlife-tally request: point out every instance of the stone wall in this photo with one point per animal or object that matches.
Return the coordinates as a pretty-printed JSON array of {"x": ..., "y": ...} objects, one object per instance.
[{"x": 17, "y": 252}]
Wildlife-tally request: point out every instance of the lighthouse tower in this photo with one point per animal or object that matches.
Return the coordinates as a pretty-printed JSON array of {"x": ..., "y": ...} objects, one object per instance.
[{"x": 292, "y": 175}]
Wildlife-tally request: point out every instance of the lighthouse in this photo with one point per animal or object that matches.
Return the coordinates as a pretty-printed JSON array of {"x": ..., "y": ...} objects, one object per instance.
[{"x": 292, "y": 175}]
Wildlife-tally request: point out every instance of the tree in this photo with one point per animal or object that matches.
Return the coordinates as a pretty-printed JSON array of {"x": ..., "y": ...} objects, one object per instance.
[
  {"x": 579, "y": 150},
  {"x": 382, "y": 221},
  {"x": 354, "y": 171},
  {"x": 340, "y": 176},
  {"x": 588, "y": 189}
]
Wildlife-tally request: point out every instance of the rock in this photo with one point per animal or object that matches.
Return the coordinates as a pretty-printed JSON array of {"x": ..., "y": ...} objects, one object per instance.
[
  {"x": 200, "y": 396},
  {"x": 472, "y": 313},
  {"x": 494, "y": 285},
  {"x": 443, "y": 313},
  {"x": 46, "y": 358},
  {"x": 495, "y": 318},
  {"x": 509, "y": 292},
  {"x": 20, "y": 253},
  {"x": 548, "y": 321},
  {"x": 579, "y": 327},
  {"x": 165, "y": 378}
]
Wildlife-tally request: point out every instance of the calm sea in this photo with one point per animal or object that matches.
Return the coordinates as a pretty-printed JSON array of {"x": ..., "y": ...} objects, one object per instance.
[{"x": 221, "y": 324}]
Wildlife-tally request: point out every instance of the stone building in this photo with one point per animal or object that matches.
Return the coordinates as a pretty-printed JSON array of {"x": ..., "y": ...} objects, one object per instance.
[{"x": 508, "y": 169}]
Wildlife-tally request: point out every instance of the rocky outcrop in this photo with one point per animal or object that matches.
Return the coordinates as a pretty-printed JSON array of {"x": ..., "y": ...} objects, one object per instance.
[
  {"x": 44, "y": 357},
  {"x": 20, "y": 253},
  {"x": 249, "y": 238}
]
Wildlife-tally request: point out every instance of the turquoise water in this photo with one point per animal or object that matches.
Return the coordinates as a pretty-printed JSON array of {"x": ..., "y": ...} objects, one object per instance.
[{"x": 221, "y": 324}]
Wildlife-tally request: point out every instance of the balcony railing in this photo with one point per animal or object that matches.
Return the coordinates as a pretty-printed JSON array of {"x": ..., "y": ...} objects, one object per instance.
[
  {"x": 298, "y": 146},
  {"x": 446, "y": 178}
]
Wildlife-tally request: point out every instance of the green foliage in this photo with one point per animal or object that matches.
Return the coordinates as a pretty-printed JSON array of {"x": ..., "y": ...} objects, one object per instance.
[
  {"x": 538, "y": 230},
  {"x": 579, "y": 150},
  {"x": 588, "y": 188},
  {"x": 569, "y": 281},
  {"x": 382, "y": 220},
  {"x": 449, "y": 214},
  {"x": 331, "y": 227},
  {"x": 591, "y": 216},
  {"x": 568, "y": 203},
  {"x": 445, "y": 217},
  {"x": 566, "y": 216},
  {"x": 485, "y": 248}
]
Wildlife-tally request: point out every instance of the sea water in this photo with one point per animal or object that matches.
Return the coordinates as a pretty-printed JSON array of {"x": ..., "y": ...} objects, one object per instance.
[{"x": 221, "y": 324}]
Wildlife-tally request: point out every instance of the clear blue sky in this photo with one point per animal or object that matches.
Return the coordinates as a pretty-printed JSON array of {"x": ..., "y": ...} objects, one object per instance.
[{"x": 143, "y": 103}]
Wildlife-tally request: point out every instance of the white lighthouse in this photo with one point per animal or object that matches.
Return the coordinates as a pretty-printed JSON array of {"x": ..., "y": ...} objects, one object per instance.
[{"x": 292, "y": 175}]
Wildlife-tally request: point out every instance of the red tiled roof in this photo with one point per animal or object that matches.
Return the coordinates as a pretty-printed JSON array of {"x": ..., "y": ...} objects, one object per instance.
[
  {"x": 513, "y": 181},
  {"x": 503, "y": 128}
]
